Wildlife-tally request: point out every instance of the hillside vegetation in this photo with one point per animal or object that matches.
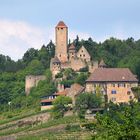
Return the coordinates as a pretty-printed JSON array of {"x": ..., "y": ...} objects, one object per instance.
[{"x": 13, "y": 102}]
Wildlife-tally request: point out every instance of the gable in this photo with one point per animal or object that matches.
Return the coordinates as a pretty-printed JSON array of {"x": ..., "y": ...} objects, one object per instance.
[{"x": 83, "y": 52}]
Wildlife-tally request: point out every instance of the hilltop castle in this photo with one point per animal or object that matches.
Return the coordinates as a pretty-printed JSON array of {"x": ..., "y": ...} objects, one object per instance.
[
  {"x": 68, "y": 57},
  {"x": 114, "y": 83},
  {"x": 65, "y": 57}
]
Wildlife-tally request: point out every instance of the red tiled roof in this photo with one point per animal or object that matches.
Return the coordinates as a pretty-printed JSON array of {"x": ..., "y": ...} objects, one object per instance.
[
  {"x": 64, "y": 92},
  {"x": 112, "y": 75},
  {"x": 55, "y": 60},
  {"x": 102, "y": 63},
  {"x": 72, "y": 47},
  {"x": 61, "y": 24},
  {"x": 77, "y": 87},
  {"x": 47, "y": 100}
]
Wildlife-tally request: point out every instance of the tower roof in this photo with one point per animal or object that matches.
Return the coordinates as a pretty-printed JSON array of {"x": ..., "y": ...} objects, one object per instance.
[
  {"x": 55, "y": 60},
  {"x": 61, "y": 24},
  {"x": 102, "y": 63},
  {"x": 72, "y": 47}
]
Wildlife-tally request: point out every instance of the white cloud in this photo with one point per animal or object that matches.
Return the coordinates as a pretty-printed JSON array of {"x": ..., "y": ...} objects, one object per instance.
[
  {"x": 16, "y": 37},
  {"x": 81, "y": 35}
]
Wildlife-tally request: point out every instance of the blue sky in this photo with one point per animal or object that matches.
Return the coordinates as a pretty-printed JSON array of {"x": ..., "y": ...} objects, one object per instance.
[{"x": 30, "y": 23}]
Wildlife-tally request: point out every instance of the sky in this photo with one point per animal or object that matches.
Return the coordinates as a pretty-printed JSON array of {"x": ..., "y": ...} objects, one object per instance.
[{"x": 28, "y": 24}]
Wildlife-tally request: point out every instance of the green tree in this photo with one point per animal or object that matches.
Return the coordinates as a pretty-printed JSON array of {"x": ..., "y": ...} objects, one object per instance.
[
  {"x": 123, "y": 124},
  {"x": 87, "y": 101},
  {"x": 81, "y": 78},
  {"x": 61, "y": 105},
  {"x": 35, "y": 67}
]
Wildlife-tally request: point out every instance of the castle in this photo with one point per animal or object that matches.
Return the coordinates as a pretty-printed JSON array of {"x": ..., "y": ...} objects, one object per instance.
[
  {"x": 68, "y": 57},
  {"x": 64, "y": 58},
  {"x": 115, "y": 83}
]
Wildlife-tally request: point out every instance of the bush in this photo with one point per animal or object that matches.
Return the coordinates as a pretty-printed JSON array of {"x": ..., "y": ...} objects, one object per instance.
[
  {"x": 72, "y": 128},
  {"x": 61, "y": 106}
]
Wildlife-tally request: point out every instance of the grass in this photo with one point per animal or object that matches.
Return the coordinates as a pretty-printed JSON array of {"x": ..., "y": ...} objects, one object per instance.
[
  {"x": 20, "y": 117},
  {"x": 65, "y": 120},
  {"x": 63, "y": 135}
]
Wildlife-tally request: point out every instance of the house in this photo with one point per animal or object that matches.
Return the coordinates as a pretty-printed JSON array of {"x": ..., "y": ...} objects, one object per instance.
[
  {"x": 47, "y": 102},
  {"x": 114, "y": 83},
  {"x": 72, "y": 92}
]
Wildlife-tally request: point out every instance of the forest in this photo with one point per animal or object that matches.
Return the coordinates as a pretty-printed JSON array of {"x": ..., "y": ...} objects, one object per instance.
[{"x": 115, "y": 53}]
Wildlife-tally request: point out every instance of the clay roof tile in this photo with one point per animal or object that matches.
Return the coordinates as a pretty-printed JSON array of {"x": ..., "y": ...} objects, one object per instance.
[
  {"x": 72, "y": 47},
  {"x": 112, "y": 75},
  {"x": 61, "y": 24},
  {"x": 55, "y": 60},
  {"x": 102, "y": 63}
]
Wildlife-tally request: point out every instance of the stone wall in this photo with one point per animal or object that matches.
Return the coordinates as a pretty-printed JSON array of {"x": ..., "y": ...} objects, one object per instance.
[
  {"x": 32, "y": 81},
  {"x": 92, "y": 66},
  {"x": 77, "y": 64}
]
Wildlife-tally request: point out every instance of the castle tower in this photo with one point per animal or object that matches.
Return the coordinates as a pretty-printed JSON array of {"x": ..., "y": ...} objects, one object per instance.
[
  {"x": 61, "y": 32},
  {"x": 102, "y": 64},
  {"x": 55, "y": 66},
  {"x": 72, "y": 52}
]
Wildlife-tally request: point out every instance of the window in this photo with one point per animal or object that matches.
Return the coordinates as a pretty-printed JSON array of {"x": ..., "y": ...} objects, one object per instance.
[
  {"x": 128, "y": 92},
  {"x": 121, "y": 85},
  {"x": 113, "y": 85},
  {"x": 80, "y": 55},
  {"x": 113, "y": 99},
  {"x": 130, "y": 97},
  {"x": 113, "y": 92},
  {"x": 128, "y": 85},
  {"x": 83, "y": 55},
  {"x": 60, "y": 55},
  {"x": 82, "y": 51},
  {"x": 61, "y": 28}
]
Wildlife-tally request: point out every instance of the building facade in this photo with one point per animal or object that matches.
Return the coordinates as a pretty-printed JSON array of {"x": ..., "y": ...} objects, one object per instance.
[
  {"x": 114, "y": 83},
  {"x": 72, "y": 92}
]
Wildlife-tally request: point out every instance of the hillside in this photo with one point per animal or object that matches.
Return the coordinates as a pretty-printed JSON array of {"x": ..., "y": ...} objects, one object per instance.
[
  {"x": 63, "y": 128},
  {"x": 15, "y": 106}
]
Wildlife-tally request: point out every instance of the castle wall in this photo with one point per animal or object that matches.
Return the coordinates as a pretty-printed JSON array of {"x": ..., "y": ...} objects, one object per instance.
[
  {"x": 77, "y": 64},
  {"x": 32, "y": 81},
  {"x": 92, "y": 66}
]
